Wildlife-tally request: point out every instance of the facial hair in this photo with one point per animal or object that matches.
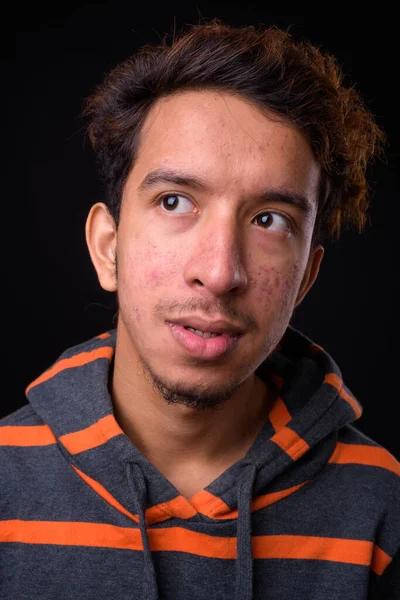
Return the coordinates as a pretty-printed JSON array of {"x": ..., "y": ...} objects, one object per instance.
[{"x": 175, "y": 394}]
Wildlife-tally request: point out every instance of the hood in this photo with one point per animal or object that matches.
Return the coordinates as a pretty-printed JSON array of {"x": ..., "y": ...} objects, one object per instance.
[{"x": 296, "y": 441}]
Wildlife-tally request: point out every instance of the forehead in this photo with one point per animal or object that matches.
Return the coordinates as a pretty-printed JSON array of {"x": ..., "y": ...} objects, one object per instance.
[{"x": 227, "y": 140}]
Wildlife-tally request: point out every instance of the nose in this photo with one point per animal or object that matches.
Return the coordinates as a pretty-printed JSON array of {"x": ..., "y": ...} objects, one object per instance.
[{"x": 215, "y": 259}]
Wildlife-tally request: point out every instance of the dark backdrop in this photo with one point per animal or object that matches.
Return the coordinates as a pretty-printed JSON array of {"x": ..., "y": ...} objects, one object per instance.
[{"x": 52, "y": 298}]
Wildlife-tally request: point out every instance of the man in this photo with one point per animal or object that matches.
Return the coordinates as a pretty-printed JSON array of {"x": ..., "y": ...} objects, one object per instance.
[{"x": 204, "y": 448}]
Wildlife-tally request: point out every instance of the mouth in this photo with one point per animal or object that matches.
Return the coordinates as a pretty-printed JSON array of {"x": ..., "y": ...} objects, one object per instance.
[
  {"x": 207, "y": 345},
  {"x": 202, "y": 326},
  {"x": 203, "y": 334}
]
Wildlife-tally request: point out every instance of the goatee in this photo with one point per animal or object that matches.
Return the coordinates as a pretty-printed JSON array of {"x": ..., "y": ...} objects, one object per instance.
[{"x": 196, "y": 399}]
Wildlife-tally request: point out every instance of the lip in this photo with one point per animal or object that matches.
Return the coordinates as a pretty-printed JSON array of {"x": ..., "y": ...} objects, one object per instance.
[
  {"x": 204, "y": 348},
  {"x": 219, "y": 326}
]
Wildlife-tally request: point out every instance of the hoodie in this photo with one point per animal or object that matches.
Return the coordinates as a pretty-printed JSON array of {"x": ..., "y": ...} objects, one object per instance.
[{"x": 312, "y": 511}]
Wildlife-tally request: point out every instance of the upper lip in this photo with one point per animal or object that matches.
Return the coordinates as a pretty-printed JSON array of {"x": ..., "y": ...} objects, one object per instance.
[{"x": 219, "y": 326}]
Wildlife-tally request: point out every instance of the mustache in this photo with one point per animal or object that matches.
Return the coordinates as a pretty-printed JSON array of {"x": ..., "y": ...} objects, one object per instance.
[{"x": 198, "y": 306}]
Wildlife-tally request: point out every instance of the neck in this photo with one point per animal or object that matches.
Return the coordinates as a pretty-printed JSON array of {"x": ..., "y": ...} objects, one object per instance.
[{"x": 173, "y": 434}]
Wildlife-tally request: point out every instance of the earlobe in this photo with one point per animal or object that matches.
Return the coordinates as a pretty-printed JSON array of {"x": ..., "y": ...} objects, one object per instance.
[
  {"x": 311, "y": 272},
  {"x": 101, "y": 239}
]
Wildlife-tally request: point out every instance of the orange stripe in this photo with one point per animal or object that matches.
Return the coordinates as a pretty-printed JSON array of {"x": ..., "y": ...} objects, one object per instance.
[
  {"x": 279, "y": 415},
  {"x": 75, "y": 361},
  {"x": 177, "y": 507},
  {"x": 219, "y": 510},
  {"x": 380, "y": 560},
  {"x": 353, "y": 403},
  {"x": 268, "y": 499},
  {"x": 203, "y": 502},
  {"x": 26, "y": 435},
  {"x": 337, "y": 383},
  {"x": 93, "y": 436},
  {"x": 290, "y": 442},
  {"x": 364, "y": 455},
  {"x": 314, "y": 349},
  {"x": 177, "y": 539},
  {"x": 211, "y": 506},
  {"x": 103, "y": 336},
  {"x": 70, "y": 534},
  {"x": 105, "y": 494},
  {"x": 357, "y": 552},
  {"x": 112, "y": 536},
  {"x": 156, "y": 514}
]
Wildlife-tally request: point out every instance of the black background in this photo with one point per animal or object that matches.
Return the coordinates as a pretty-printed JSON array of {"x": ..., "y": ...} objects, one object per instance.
[{"x": 52, "y": 298}]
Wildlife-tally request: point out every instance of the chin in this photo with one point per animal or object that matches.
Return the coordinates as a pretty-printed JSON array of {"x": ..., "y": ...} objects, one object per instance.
[{"x": 195, "y": 396}]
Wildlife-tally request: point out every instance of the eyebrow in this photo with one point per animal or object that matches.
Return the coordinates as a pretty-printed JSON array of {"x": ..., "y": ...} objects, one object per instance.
[
  {"x": 157, "y": 176},
  {"x": 167, "y": 176}
]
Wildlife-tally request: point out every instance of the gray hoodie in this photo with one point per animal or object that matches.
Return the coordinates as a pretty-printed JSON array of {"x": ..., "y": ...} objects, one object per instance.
[{"x": 311, "y": 512}]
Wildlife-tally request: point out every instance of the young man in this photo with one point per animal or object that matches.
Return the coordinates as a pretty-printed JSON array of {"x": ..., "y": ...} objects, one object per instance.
[{"x": 204, "y": 449}]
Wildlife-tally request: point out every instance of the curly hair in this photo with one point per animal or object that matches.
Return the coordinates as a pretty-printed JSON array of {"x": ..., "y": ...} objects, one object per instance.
[{"x": 294, "y": 80}]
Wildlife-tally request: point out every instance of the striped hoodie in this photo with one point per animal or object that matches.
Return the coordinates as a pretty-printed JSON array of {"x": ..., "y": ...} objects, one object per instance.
[{"x": 311, "y": 512}]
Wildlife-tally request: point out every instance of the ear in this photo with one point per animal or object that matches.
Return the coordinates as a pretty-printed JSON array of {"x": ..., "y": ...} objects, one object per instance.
[
  {"x": 101, "y": 238},
  {"x": 311, "y": 272}
]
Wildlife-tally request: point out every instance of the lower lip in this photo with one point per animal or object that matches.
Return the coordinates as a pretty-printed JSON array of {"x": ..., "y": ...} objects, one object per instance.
[{"x": 200, "y": 347}]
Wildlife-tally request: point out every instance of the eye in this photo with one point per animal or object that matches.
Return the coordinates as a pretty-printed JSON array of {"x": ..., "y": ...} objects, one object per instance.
[
  {"x": 176, "y": 203},
  {"x": 273, "y": 221}
]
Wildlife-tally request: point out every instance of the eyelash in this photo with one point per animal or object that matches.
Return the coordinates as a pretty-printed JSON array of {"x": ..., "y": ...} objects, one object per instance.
[{"x": 290, "y": 225}]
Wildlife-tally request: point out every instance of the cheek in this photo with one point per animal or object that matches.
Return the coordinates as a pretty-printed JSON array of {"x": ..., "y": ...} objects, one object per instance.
[
  {"x": 153, "y": 268},
  {"x": 276, "y": 287}
]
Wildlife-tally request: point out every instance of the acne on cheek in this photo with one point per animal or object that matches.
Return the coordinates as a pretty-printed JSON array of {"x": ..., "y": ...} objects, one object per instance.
[
  {"x": 267, "y": 282},
  {"x": 275, "y": 285}
]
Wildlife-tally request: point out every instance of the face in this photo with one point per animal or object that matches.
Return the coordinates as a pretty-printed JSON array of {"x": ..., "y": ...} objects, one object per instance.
[{"x": 215, "y": 234}]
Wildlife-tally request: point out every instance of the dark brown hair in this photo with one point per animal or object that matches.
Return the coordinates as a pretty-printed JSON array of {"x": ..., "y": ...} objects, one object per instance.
[{"x": 293, "y": 80}]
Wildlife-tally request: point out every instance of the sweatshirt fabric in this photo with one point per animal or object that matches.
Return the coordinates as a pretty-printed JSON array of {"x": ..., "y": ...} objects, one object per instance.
[{"x": 311, "y": 512}]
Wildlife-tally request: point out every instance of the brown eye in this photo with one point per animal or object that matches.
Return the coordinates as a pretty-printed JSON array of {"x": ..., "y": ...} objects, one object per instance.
[
  {"x": 176, "y": 203},
  {"x": 273, "y": 221},
  {"x": 264, "y": 220}
]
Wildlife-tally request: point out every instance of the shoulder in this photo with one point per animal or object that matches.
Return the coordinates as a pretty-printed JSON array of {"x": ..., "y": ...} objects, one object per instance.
[
  {"x": 23, "y": 416},
  {"x": 368, "y": 475},
  {"x": 372, "y": 474},
  {"x": 360, "y": 460},
  {"x": 21, "y": 432},
  {"x": 28, "y": 454},
  {"x": 354, "y": 447},
  {"x": 366, "y": 479}
]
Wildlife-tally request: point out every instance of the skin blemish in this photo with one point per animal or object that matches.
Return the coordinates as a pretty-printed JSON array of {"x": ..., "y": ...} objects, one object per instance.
[{"x": 267, "y": 283}]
